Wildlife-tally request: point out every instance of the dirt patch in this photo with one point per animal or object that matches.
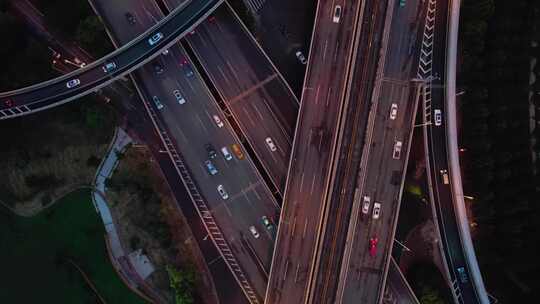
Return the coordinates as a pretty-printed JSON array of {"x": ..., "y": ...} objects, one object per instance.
[{"x": 146, "y": 217}]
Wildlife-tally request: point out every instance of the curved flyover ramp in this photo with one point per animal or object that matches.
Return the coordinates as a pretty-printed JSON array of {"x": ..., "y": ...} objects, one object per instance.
[{"x": 56, "y": 91}]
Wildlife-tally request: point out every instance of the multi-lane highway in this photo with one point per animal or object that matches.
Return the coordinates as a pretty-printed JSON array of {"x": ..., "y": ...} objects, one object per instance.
[
  {"x": 384, "y": 159},
  {"x": 254, "y": 92},
  {"x": 191, "y": 125},
  {"x": 92, "y": 77},
  {"x": 312, "y": 153}
]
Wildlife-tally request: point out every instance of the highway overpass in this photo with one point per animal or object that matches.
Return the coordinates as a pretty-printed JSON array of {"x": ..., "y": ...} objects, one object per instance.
[
  {"x": 92, "y": 77},
  {"x": 440, "y": 134}
]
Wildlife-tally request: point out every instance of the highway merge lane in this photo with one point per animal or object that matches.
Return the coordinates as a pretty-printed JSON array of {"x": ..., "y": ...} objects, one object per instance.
[
  {"x": 191, "y": 125},
  {"x": 258, "y": 98}
]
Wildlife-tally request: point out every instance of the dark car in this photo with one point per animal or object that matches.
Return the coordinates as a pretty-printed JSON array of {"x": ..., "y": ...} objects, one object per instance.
[
  {"x": 211, "y": 151},
  {"x": 130, "y": 18},
  {"x": 188, "y": 71},
  {"x": 158, "y": 69}
]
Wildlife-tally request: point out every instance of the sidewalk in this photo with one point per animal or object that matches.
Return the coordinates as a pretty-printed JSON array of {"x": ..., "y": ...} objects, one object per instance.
[{"x": 131, "y": 274}]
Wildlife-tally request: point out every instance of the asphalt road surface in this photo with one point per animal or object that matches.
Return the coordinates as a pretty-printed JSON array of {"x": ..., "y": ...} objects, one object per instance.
[
  {"x": 381, "y": 174},
  {"x": 256, "y": 95},
  {"x": 56, "y": 91},
  {"x": 436, "y": 140},
  {"x": 192, "y": 126},
  {"x": 312, "y": 151}
]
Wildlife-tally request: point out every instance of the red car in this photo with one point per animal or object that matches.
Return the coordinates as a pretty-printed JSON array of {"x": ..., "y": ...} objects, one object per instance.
[
  {"x": 8, "y": 103},
  {"x": 373, "y": 246}
]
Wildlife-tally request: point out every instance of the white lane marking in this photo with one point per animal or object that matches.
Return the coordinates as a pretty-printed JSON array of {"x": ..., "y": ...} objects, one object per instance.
[
  {"x": 249, "y": 116},
  {"x": 205, "y": 171},
  {"x": 317, "y": 95},
  {"x": 258, "y": 112},
  {"x": 302, "y": 181},
  {"x": 305, "y": 229},
  {"x": 222, "y": 73},
  {"x": 336, "y": 51},
  {"x": 325, "y": 47},
  {"x": 182, "y": 135},
  {"x": 247, "y": 197},
  {"x": 328, "y": 96},
  {"x": 201, "y": 122},
  {"x": 312, "y": 185},
  {"x": 224, "y": 203},
  {"x": 256, "y": 192},
  {"x": 191, "y": 85}
]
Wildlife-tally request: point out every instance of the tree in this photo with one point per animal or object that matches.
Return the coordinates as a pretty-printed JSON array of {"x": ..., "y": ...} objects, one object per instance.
[
  {"x": 91, "y": 35},
  {"x": 181, "y": 281},
  {"x": 429, "y": 295}
]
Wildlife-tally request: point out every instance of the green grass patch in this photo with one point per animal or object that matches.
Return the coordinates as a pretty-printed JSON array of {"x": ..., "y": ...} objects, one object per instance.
[{"x": 34, "y": 254}]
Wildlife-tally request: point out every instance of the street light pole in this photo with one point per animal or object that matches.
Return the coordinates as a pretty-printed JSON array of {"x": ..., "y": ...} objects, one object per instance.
[
  {"x": 423, "y": 124},
  {"x": 402, "y": 245}
]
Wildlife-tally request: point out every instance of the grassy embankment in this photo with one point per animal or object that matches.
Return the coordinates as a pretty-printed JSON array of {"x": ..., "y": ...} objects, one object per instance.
[{"x": 36, "y": 252}]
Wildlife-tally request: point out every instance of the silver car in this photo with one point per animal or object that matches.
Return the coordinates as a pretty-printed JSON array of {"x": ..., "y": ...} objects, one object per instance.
[
  {"x": 397, "y": 149},
  {"x": 365, "y": 204},
  {"x": 438, "y": 117},
  {"x": 254, "y": 231},
  {"x": 271, "y": 144},
  {"x": 376, "y": 210},
  {"x": 73, "y": 83},
  {"x": 222, "y": 192}
]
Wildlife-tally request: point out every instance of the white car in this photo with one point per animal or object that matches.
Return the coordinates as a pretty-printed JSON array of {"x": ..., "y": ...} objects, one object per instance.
[
  {"x": 158, "y": 103},
  {"x": 179, "y": 97},
  {"x": 73, "y": 83},
  {"x": 376, "y": 210},
  {"x": 271, "y": 144},
  {"x": 438, "y": 117},
  {"x": 397, "y": 149},
  {"x": 301, "y": 57},
  {"x": 254, "y": 232},
  {"x": 155, "y": 38},
  {"x": 393, "y": 111},
  {"x": 226, "y": 153},
  {"x": 337, "y": 14},
  {"x": 218, "y": 121},
  {"x": 365, "y": 204},
  {"x": 222, "y": 192}
]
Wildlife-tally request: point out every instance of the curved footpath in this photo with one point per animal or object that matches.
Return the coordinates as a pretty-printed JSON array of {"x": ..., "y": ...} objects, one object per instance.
[
  {"x": 453, "y": 157},
  {"x": 130, "y": 274}
]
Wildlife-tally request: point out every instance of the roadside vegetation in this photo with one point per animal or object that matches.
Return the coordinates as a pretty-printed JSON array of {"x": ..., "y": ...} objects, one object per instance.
[
  {"x": 45, "y": 258},
  {"x": 148, "y": 219},
  {"x": 428, "y": 284},
  {"x": 48, "y": 154},
  {"x": 78, "y": 22},
  {"x": 502, "y": 140}
]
